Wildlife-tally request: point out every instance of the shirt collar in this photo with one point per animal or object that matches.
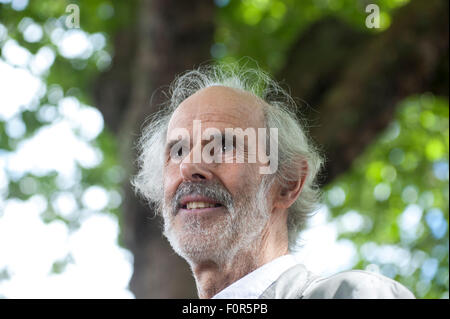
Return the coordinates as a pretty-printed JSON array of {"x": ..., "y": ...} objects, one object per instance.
[{"x": 255, "y": 283}]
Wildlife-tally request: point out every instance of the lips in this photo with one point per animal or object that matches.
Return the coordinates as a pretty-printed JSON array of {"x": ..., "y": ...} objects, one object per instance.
[{"x": 192, "y": 203}]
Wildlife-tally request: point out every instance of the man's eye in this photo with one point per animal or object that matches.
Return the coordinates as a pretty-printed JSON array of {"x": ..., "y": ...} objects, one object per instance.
[
  {"x": 227, "y": 147},
  {"x": 178, "y": 151}
]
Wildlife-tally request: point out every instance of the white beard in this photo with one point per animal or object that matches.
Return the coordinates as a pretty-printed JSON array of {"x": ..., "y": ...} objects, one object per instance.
[{"x": 219, "y": 242}]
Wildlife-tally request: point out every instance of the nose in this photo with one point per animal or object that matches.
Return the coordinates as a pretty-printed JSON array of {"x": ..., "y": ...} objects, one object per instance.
[
  {"x": 194, "y": 172},
  {"x": 191, "y": 171}
]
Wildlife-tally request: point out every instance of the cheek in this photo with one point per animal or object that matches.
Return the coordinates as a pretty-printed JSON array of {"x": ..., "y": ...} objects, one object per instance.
[
  {"x": 238, "y": 178},
  {"x": 170, "y": 172}
]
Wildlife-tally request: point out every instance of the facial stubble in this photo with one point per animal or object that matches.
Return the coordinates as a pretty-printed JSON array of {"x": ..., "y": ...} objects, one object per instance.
[{"x": 219, "y": 238}]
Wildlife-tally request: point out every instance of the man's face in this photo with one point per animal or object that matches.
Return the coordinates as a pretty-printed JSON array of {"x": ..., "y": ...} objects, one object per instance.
[{"x": 212, "y": 210}]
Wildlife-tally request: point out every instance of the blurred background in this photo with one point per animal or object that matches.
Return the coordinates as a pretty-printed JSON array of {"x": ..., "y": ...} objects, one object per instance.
[{"x": 75, "y": 92}]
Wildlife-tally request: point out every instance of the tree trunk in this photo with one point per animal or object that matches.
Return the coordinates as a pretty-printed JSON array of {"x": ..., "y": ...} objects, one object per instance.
[
  {"x": 170, "y": 37},
  {"x": 352, "y": 80}
]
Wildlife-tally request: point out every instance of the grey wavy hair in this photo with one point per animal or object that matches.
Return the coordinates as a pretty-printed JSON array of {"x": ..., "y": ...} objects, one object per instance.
[{"x": 294, "y": 146}]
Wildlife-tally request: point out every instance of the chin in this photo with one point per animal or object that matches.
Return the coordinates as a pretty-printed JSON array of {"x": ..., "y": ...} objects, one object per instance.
[{"x": 200, "y": 247}]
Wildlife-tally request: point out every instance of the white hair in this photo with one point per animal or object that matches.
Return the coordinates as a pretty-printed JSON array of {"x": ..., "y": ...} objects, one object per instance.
[{"x": 294, "y": 146}]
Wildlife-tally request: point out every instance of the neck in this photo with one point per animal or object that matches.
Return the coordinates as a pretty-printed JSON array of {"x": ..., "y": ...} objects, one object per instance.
[{"x": 212, "y": 277}]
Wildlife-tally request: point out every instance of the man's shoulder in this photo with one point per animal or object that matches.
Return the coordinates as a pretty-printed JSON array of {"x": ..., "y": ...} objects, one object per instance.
[
  {"x": 356, "y": 284},
  {"x": 299, "y": 283}
]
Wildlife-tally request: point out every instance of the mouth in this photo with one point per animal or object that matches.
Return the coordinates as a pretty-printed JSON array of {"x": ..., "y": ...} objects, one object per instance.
[{"x": 195, "y": 204}]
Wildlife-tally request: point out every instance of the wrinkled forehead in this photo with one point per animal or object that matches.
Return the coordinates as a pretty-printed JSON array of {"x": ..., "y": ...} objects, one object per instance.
[{"x": 219, "y": 107}]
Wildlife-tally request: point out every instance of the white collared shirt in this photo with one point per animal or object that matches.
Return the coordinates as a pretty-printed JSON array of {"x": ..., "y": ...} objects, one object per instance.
[
  {"x": 293, "y": 278},
  {"x": 252, "y": 285}
]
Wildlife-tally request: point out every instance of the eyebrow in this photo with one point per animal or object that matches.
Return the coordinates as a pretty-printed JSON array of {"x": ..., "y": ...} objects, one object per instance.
[
  {"x": 221, "y": 136},
  {"x": 171, "y": 143}
]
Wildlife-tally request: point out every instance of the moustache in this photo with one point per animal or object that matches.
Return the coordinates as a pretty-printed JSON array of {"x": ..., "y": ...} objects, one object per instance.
[{"x": 213, "y": 190}]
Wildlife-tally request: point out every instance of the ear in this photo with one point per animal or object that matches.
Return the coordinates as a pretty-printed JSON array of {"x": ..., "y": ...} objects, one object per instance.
[{"x": 288, "y": 194}]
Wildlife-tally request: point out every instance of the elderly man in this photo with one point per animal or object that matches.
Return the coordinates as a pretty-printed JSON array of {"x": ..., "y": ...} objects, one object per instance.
[{"x": 232, "y": 215}]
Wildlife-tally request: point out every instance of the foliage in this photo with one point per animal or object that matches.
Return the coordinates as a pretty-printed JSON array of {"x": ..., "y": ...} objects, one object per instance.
[
  {"x": 68, "y": 76},
  {"x": 265, "y": 29},
  {"x": 393, "y": 202}
]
